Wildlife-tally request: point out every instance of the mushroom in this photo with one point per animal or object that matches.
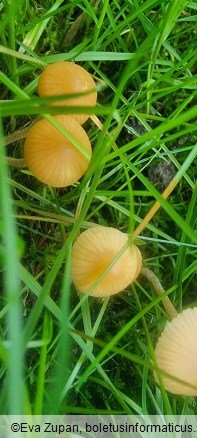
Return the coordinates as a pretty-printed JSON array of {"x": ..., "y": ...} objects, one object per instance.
[
  {"x": 176, "y": 354},
  {"x": 93, "y": 252},
  {"x": 68, "y": 78},
  {"x": 53, "y": 158}
]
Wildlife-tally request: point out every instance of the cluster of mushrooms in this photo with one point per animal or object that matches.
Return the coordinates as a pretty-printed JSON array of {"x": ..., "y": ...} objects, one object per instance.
[
  {"x": 175, "y": 354},
  {"x": 104, "y": 262},
  {"x": 52, "y": 157}
]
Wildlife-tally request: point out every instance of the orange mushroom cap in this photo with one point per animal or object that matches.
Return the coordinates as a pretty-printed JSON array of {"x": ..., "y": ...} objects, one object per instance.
[
  {"x": 51, "y": 157},
  {"x": 176, "y": 354},
  {"x": 93, "y": 251},
  {"x": 68, "y": 78}
]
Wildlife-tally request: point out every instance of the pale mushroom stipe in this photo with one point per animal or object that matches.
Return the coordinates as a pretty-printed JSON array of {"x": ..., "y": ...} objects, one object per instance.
[
  {"x": 61, "y": 78},
  {"x": 52, "y": 158},
  {"x": 93, "y": 252},
  {"x": 176, "y": 354}
]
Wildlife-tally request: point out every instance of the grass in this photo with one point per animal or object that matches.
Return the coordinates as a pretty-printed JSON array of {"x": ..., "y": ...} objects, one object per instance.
[{"x": 74, "y": 353}]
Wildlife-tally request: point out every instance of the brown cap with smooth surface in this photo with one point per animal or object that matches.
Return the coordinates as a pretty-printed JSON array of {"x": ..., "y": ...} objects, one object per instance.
[
  {"x": 93, "y": 251},
  {"x": 176, "y": 354}
]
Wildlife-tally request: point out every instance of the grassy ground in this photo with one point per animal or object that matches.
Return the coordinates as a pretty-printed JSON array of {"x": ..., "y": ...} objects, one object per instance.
[{"x": 61, "y": 352}]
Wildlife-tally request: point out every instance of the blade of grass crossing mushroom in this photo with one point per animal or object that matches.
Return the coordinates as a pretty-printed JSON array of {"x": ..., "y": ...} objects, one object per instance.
[{"x": 20, "y": 93}]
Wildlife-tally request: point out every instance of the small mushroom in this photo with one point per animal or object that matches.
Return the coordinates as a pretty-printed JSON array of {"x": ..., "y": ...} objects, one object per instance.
[
  {"x": 68, "y": 78},
  {"x": 51, "y": 157},
  {"x": 176, "y": 354},
  {"x": 92, "y": 253}
]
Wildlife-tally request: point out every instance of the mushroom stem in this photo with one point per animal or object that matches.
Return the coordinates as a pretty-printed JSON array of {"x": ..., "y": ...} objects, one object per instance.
[
  {"x": 16, "y": 162},
  {"x": 97, "y": 122},
  {"x": 11, "y": 138},
  {"x": 171, "y": 311}
]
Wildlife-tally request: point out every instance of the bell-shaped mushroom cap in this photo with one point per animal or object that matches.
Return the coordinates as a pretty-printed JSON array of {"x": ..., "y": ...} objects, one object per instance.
[
  {"x": 92, "y": 253},
  {"x": 68, "y": 78},
  {"x": 51, "y": 157},
  {"x": 176, "y": 354}
]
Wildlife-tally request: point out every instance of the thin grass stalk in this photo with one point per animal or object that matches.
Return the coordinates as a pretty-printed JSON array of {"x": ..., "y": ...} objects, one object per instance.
[
  {"x": 15, "y": 383},
  {"x": 61, "y": 369},
  {"x": 38, "y": 404}
]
